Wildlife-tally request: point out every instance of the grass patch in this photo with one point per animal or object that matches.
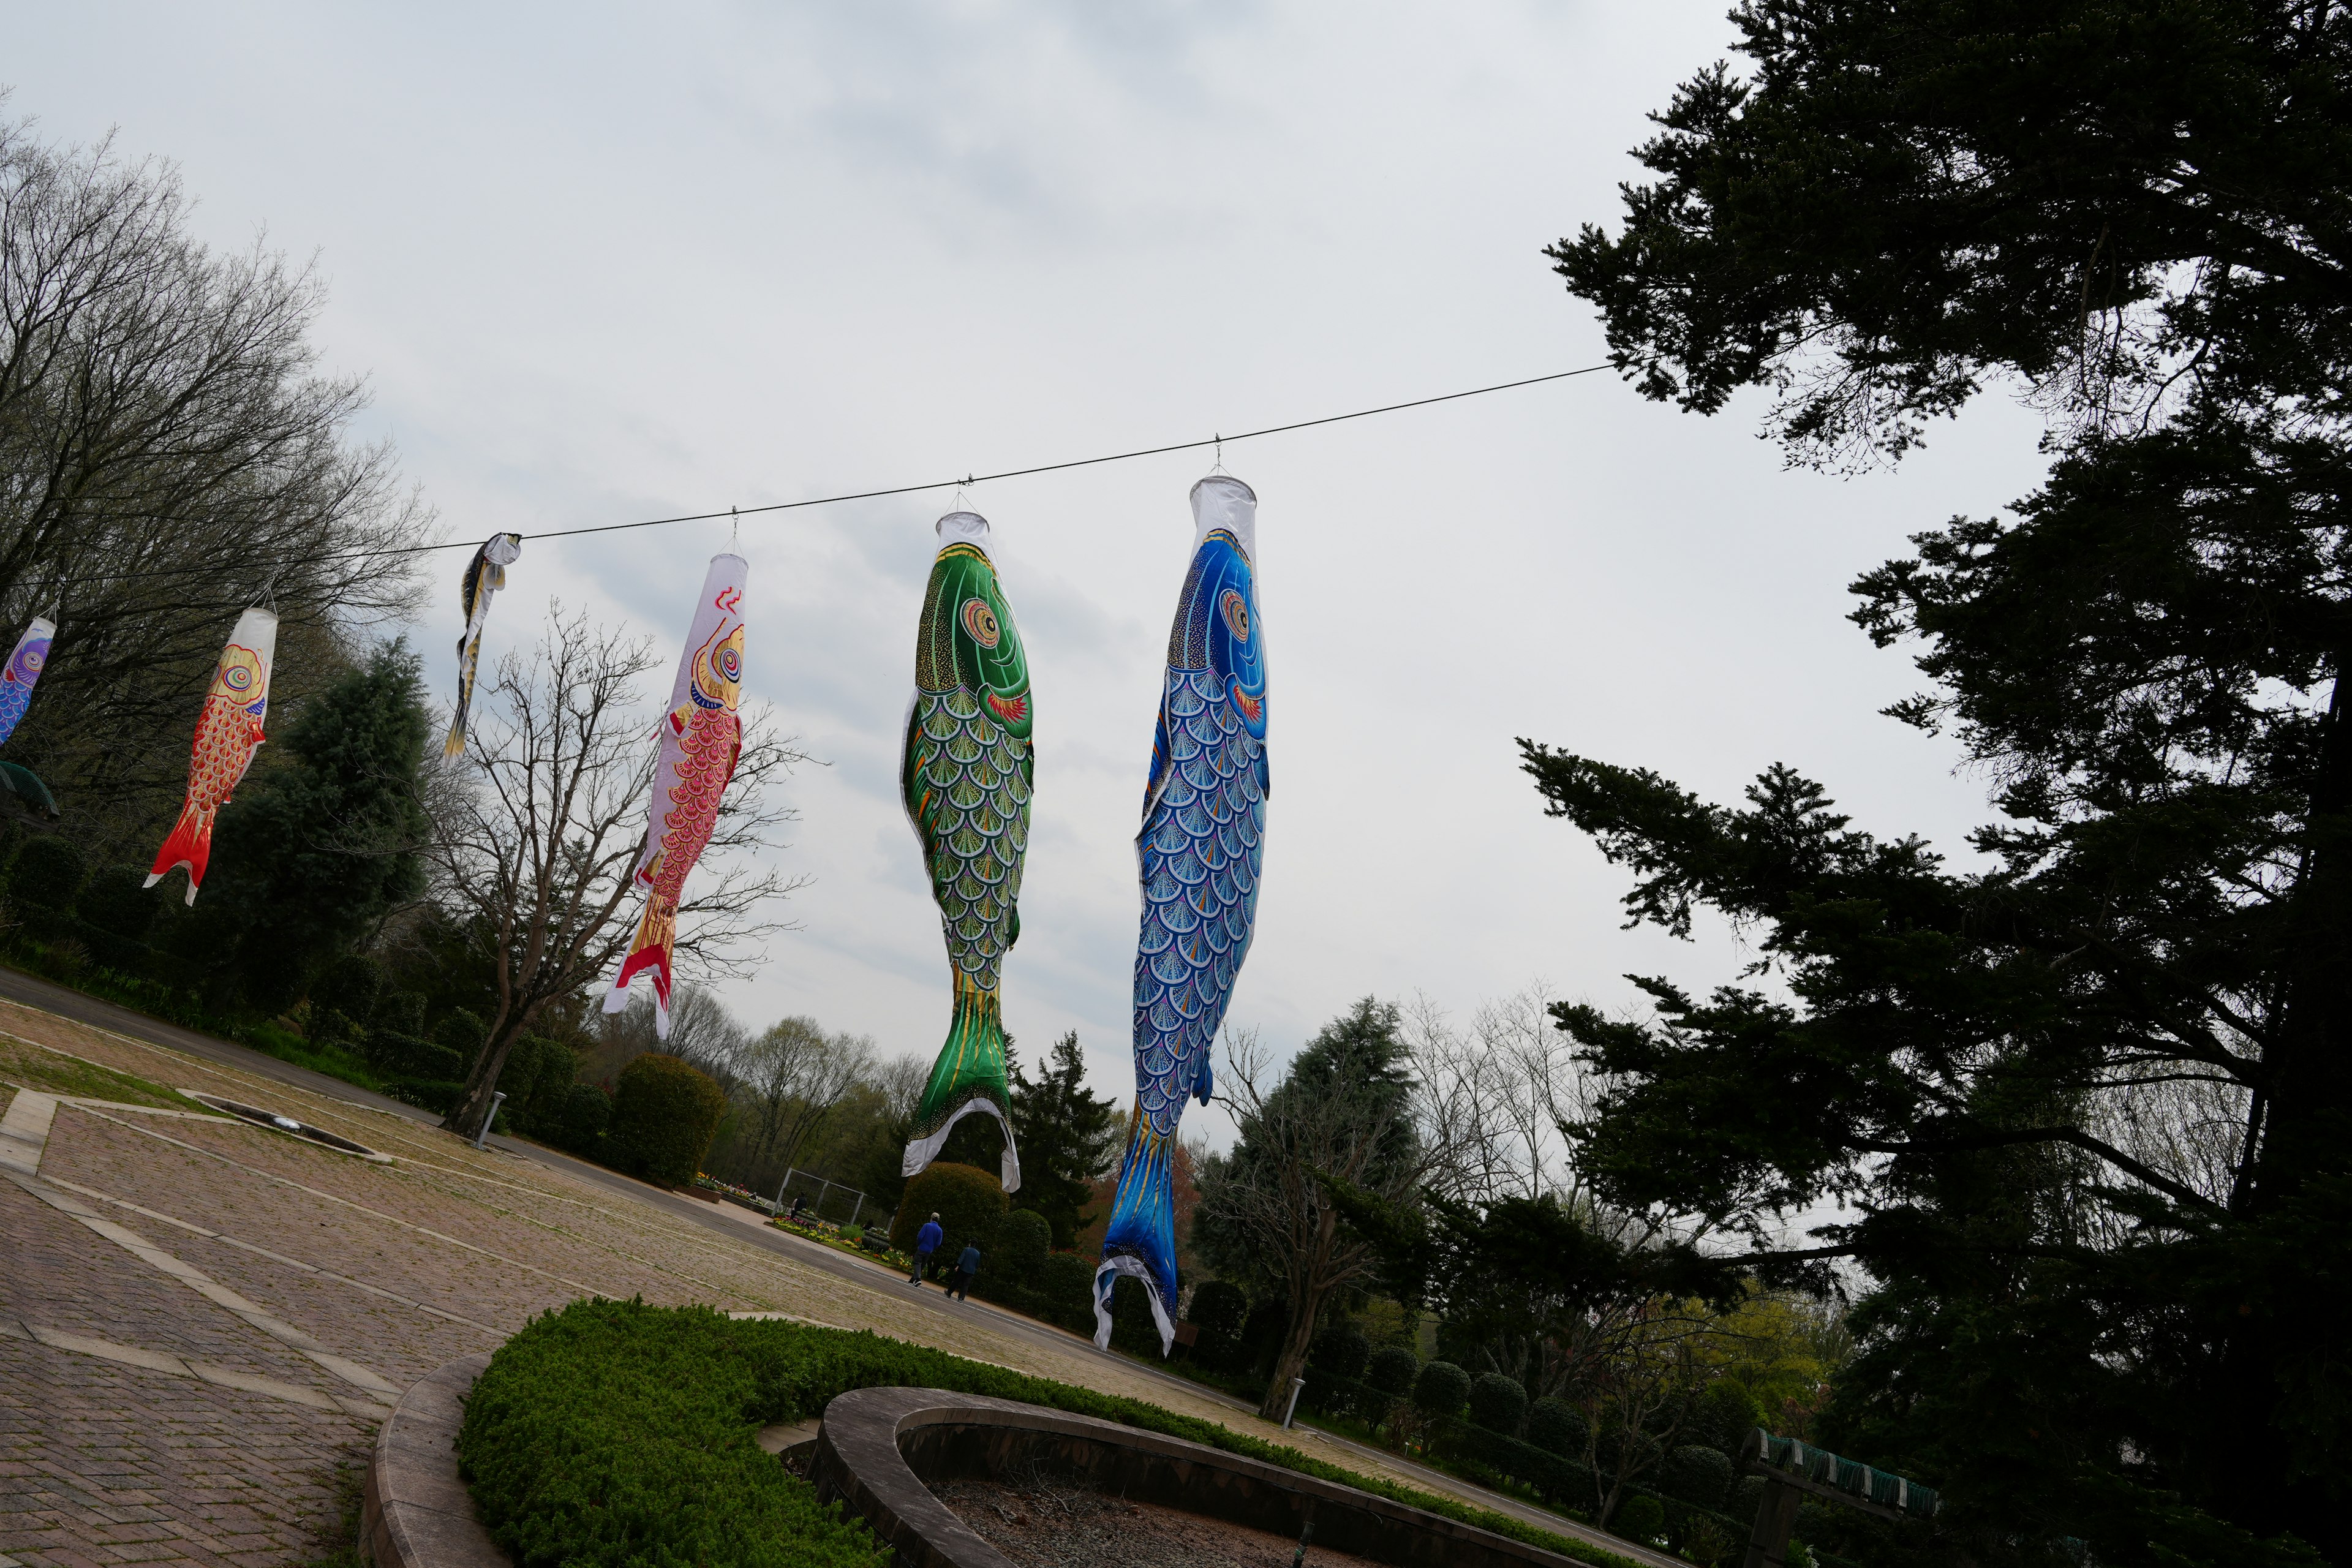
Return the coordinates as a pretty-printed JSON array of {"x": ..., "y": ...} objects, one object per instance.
[
  {"x": 615, "y": 1434},
  {"x": 53, "y": 1072},
  {"x": 340, "y": 1545}
]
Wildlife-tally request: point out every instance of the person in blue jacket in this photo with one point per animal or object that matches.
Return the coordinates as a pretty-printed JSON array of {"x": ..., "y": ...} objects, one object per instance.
[
  {"x": 966, "y": 1266},
  {"x": 927, "y": 1241}
]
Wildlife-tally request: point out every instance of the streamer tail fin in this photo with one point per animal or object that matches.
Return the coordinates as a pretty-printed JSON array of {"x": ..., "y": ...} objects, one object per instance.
[
  {"x": 1141, "y": 1239},
  {"x": 968, "y": 1076},
  {"x": 189, "y": 844},
  {"x": 649, "y": 952}
]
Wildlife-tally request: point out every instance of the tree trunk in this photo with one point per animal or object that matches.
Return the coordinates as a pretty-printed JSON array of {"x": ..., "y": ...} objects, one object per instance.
[
  {"x": 473, "y": 1108},
  {"x": 1296, "y": 1342}
]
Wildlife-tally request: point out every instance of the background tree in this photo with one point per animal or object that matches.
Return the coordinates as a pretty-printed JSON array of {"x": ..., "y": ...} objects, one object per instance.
[
  {"x": 536, "y": 852},
  {"x": 169, "y": 454},
  {"x": 792, "y": 1077},
  {"x": 318, "y": 848},
  {"x": 2090, "y": 1105},
  {"x": 1066, "y": 1134},
  {"x": 1343, "y": 1111}
]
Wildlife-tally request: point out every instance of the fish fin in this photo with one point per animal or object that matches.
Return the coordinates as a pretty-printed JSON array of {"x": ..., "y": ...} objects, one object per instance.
[
  {"x": 968, "y": 1076},
  {"x": 1140, "y": 1238},
  {"x": 189, "y": 844},
  {"x": 649, "y": 951}
]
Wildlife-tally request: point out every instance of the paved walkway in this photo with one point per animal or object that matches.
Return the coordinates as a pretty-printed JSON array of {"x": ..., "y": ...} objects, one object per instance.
[{"x": 201, "y": 1319}]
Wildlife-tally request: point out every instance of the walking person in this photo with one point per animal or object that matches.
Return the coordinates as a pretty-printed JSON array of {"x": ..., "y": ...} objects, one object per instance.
[
  {"x": 966, "y": 1266},
  {"x": 927, "y": 1241}
]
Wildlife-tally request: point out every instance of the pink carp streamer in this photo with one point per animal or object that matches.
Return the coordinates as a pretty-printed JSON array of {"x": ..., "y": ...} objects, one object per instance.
[
  {"x": 702, "y": 740},
  {"x": 229, "y": 732}
]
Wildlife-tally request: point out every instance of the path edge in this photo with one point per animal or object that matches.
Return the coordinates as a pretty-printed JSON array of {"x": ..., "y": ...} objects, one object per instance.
[{"x": 415, "y": 1511}]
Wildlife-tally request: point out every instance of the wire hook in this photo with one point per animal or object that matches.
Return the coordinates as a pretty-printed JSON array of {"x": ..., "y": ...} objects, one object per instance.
[
  {"x": 1218, "y": 466},
  {"x": 735, "y": 535}
]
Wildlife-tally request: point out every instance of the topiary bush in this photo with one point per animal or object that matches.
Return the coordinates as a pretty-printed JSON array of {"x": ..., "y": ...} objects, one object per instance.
[
  {"x": 1024, "y": 1238},
  {"x": 1340, "y": 1350},
  {"x": 665, "y": 1113},
  {"x": 1393, "y": 1370},
  {"x": 1697, "y": 1473},
  {"x": 117, "y": 901},
  {"x": 578, "y": 1120},
  {"x": 48, "y": 872},
  {"x": 970, "y": 1202},
  {"x": 1441, "y": 1389},
  {"x": 1639, "y": 1518},
  {"x": 1498, "y": 1402},
  {"x": 1726, "y": 1412},
  {"x": 537, "y": 1078},
  {"x": 616, "y": 1434},
  {"x": 1067, "y": 1282},
  {"x": 350, "y": 984},
  {"x": 1556, "y": 1427},
  {"x": 1218, "y": 1309},
  {"x": 463, "y": 1034}
]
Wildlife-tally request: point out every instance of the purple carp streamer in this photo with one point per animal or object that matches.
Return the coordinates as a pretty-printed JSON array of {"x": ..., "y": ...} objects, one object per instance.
[
  {"x": 25, "y": 663},
  {"x": 1198, "y": 855}
]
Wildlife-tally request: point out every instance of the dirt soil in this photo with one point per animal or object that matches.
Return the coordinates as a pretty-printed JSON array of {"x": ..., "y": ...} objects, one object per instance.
[{"x": 1043, "y": 1520}]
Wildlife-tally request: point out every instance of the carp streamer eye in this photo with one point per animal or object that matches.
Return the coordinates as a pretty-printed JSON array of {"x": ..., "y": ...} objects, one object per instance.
[
  {"x": 33, "y": 659},
  {"x": 980, "y": 621},
  {"x": 237, "y": 677},
  {"x": 730, "y": 664},
  {"x": 1235, "y": 610}
]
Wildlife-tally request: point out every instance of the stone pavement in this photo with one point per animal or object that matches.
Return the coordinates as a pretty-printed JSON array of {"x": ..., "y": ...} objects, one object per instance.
[{"x": 201, "y": 1319}]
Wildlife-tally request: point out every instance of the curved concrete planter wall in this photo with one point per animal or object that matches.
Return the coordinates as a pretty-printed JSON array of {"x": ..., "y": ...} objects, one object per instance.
[
  {"x": 878, "y": 1446},
  {"x": 414, "y": 1512}
]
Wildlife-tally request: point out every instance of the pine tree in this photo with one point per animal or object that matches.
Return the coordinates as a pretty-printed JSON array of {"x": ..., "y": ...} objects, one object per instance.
[
  {"x": 2093, "y": 1106},
  {"x": 314, "y": 850},
  {"x": 1066, "y": 1134}
]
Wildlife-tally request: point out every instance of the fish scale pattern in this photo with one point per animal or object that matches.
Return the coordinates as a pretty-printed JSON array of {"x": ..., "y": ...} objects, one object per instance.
[
  {"x": 972, "y": 776},
  {"x": 1201, "y": 852}
]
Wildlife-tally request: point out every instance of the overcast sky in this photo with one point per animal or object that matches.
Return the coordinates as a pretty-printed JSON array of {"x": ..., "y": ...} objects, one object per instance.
[{"x": 601, "y": 264}]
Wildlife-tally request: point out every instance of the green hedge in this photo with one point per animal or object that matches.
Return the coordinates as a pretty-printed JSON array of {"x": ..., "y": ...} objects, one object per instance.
[
  {"x": 611, "y": 1433},
  {"x": 665, "y": 1114}
]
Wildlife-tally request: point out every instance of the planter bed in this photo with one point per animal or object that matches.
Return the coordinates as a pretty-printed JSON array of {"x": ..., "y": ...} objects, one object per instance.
[{"x": 611, "y": 1433}]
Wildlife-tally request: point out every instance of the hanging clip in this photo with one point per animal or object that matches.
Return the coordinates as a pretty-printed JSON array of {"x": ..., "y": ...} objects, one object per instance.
[
  {"x": 1218, "y": 466},
  {"x": 735, "y": 536}
]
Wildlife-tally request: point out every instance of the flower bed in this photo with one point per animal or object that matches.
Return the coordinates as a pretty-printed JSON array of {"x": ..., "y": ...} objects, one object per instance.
[{"x": 614, "y": 1433}]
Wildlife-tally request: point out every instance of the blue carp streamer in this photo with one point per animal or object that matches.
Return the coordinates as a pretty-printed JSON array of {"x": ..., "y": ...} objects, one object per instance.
[{"x": 1199, "y": 853}]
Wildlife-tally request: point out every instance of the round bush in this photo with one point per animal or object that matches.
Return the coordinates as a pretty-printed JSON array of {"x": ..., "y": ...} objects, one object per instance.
[
  {"x": 1219, "y": 1308},
  {"x": 115, "y": 900},
  {"x": 1441, "y": 1389},
  {"x": 1340, "y": 1350},
  {"x": 350, "y": 986},
  {"x": 1498, "y": 1402},
  {"x": 578, "y": 1119},
  {"x": 665, "y": 1114},
  {"x": 1067, "y": 1281},
  {"x": 48, "y": 872},
  {"x": 1697, "y": 1473},
  {"x": 463, "y": 1033},
  {"x": 968, "y": 1201},
  {"x": 1022, "y": 1240},
  {"x": 1639, "y": 1518},
  {"x": 1392, "y": 1370},
  {"x": 1556, "y": 1427},
  {"x": 537, "y": 1076}
]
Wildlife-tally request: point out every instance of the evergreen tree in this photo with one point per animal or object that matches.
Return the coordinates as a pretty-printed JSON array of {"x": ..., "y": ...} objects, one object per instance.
[
  {"x": 313, "y": 851},
  {"x": 2092, "y": 1107},
  {"x": 1065, "y": 1135}
]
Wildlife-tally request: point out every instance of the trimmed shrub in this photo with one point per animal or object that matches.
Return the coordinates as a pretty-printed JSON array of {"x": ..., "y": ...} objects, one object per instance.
[
  {"x": 1133, "y": 1329},
  {"x": 578, "y": 1119},
  {"x": 1219, "y": 1308},
  {"x": 969, "y": 1203},
  {"x": 351, "y": 985},
  {"x": 665, "y": 1113},
  {"x": 1498, "y": 1402},
  {"x": 117, "y": 901},
  {"x": 1262, "y": 1333},
  {"x": 537, "y": 1076},
  {"x": 402, "y": 1011},
  {"x": 612, "y": 1434},
  {"x": 1442, "y": 1388},
  {"x": 1340, "y": 1350},
  {"x": 463, "y": 1033},
  {"x": 48, "y": 872},
  {"x": 1392, "y": 1370},
  {"x": 406, "y": 1056},
  {"x": 1556, "y": 1427},
  {"x": 1067, "y": 1281},
  {"x": 1639, "y": 1518},
  {"x": 1697, "y": 1473},
  {"x": 1022, "y": 1240}
]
